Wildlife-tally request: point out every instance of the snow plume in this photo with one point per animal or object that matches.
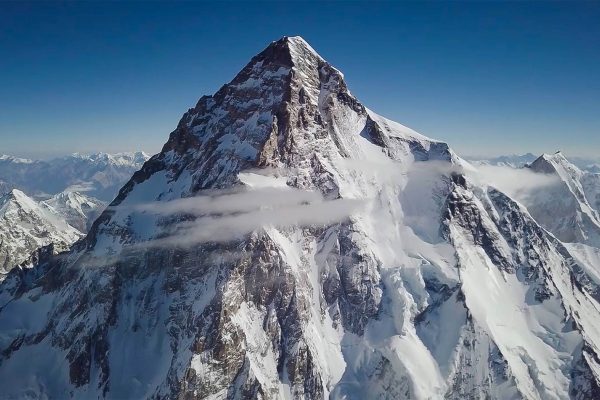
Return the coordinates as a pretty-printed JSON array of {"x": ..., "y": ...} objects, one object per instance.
[
  {"x": 519, "y": 183},
  {"x": 221, "y": 216}
]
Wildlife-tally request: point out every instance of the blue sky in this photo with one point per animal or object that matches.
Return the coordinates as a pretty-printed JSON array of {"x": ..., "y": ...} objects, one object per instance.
[{"x": 488, "y": 78}]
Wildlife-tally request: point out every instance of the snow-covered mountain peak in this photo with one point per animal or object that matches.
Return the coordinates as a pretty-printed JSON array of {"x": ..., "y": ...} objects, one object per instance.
[
  {"x": 71, "y": 199},
  {"x": 555, "y": 163},
  {"x": 294, "y": 48},
  {"x": 287, "y": 242},
  {"x": 26, "y": 226},
  {"x": 569, "y": 208},
  {"x": 17, "y": 198},
  {"x": 297, "y": 41},
  {"x": 558, "y": 164},
  {"x": 78, "y": 209}
]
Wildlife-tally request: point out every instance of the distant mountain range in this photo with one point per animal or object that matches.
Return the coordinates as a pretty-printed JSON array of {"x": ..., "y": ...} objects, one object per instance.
[
  {"x": 99, "y": 175},
  {"x": 54, "y": 202}
]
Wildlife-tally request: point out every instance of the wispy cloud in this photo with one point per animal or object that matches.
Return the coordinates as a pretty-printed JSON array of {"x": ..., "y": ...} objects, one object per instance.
[
  {"x": 519, "y": 183},
  {"x": 225, "y": 215}
]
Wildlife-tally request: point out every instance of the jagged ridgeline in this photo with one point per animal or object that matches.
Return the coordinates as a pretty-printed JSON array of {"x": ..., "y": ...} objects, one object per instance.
[{"x": 287, "y": 242}]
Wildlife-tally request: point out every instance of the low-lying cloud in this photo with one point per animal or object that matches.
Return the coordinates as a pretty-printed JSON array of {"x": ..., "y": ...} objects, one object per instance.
[
  {"x": 221, "y": 216},
  {"x": 518, "y": 183}
]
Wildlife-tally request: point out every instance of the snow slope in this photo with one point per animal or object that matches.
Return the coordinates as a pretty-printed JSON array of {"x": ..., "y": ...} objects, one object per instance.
[{"x": 287, "y": 242}]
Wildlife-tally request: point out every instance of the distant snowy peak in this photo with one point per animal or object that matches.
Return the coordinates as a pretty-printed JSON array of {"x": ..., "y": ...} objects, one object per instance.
[
  {"x": 269, "y": 116},
  {"x": 585, "y": 164},
  {"x": 559, "y": 165},
  {"x": 78, "y": 209},
  {"x": 16, "y": 160},
  {"x": 569, "y": 209},
  {"x": 17, "y": 199},
  {"x": 26, "y": 226},
  {"x": 555, "y": 163}
]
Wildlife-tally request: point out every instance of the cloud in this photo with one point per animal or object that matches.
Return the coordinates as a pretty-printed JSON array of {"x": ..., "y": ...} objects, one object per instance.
[
  {"x": 226, "y": 215},
  {"x": 518, "y": 183},
  {"x": 231, "y": 201}
]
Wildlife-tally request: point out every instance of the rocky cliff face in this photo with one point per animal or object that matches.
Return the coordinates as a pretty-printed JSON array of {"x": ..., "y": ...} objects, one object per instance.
[{"x": 287, "y": 242}]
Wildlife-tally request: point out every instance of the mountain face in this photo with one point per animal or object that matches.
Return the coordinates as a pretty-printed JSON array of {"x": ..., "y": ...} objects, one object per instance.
[
  {"x": 99, "y": 175},
  {"x": 26, "y": 226},
  {"x": 287, "y": 242}
]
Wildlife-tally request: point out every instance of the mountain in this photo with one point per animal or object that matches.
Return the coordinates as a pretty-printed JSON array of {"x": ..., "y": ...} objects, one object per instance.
[
  {"x": 288, "y": 242},
  {"x": 25, "y": 227},
  {"x": 513, "y": 160},
  {"x": 585, "y": 164},
  {"x": 570, "y": 208},
  {"x": 76, "y": 208},
  {"x": 99, "y": 175}
]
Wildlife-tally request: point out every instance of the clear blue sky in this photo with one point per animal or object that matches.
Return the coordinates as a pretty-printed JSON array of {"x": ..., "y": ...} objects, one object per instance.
[{"x": 488, "y": 78}]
